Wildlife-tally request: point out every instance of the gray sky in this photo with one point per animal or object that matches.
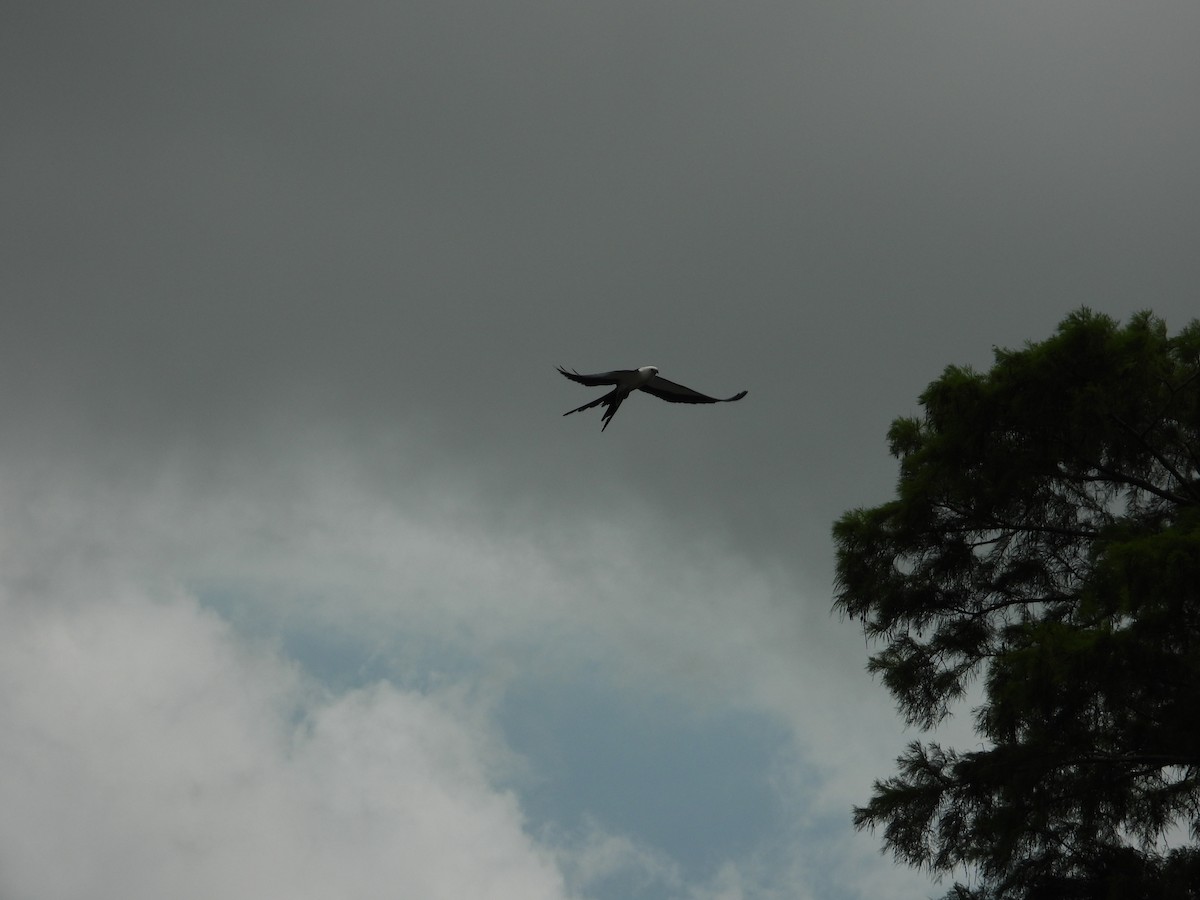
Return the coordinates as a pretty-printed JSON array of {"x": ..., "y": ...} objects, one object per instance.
[{"x": 307, "y": 588}]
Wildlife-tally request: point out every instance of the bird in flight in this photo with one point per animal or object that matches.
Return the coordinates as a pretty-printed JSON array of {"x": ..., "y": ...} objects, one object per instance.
[{"x": 626, "y": 381}]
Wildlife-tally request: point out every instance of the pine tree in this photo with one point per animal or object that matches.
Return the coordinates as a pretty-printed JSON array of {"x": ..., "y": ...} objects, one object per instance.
[{"x": 1045, "y": 538}]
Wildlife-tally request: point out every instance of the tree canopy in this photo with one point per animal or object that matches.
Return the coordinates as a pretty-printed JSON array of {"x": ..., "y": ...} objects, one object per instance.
[{"x": 1045, "y": 539}]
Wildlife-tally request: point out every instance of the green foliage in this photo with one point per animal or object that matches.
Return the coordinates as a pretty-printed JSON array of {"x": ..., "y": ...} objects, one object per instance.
[{"x": 1045, "y": 537}]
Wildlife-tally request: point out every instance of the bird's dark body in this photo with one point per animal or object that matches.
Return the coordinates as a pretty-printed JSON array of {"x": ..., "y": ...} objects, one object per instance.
[{"x": 626, "y": 381}]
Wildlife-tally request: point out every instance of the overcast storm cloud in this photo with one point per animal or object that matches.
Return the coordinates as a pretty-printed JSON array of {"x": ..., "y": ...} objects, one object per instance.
[{"x": 307, "y": 588}]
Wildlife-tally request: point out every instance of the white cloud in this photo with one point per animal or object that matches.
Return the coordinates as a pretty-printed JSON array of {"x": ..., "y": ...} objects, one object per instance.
[
  {"x": 221, "y": 758},
  {"x": 147, "y": 753},
  {"x": 597, "y": 856}
]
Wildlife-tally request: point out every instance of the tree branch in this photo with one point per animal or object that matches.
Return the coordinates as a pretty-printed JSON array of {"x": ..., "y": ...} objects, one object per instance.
[
  {"x": 1131, "y": 480},
  {"x": 1162, "y": 460}
]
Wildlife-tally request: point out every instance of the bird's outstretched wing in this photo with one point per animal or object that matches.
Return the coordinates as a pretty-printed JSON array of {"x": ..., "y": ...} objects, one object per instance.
[
  {"x": 596, "y": 380},
  {"x": 676, "y": 393}
]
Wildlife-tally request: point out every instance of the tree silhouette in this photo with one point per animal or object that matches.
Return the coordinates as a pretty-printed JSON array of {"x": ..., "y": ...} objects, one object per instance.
[{"x": 1045, "y": 537}]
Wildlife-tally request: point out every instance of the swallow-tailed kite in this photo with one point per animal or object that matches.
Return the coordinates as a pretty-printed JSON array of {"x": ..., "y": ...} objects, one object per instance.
[{"x": 627, "y": 381}]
